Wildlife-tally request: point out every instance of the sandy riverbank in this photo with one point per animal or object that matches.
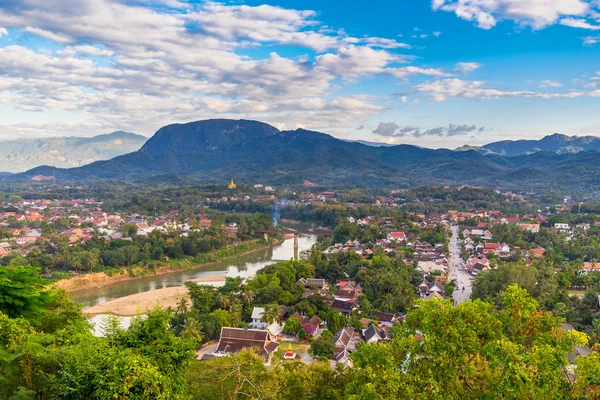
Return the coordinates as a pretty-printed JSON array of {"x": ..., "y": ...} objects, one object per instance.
[
  {"x": 141, "y": 303},
  {"x": 99, "y": 279}
]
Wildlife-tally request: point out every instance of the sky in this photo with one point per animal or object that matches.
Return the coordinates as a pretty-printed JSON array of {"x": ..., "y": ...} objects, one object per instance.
[{"x": 434, "y": 73}]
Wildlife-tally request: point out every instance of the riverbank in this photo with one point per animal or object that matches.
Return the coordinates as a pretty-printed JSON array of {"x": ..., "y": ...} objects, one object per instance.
[
  {"x": 99, "y": 279},
  {"x": 141, "y": 303}
]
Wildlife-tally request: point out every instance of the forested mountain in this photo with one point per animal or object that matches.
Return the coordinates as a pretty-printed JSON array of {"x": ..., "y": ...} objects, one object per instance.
[
  {"x": 556, "y": 143},
  {"x": 65, "y": 152},
  {"x": 251, "y": 151}
]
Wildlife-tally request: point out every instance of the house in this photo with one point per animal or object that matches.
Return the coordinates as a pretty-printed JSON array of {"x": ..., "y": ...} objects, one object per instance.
[
  {"x": 497, "y": 247},
  {"x": 275, "y": 330},
  {"x": 479, "y": 267},
  {"x": 343, "y": 307},
  {"x": 233, "y": 340},
  {"x": 396, "y": 237},
  {"x": 257, "y": 322},
  {"x": 562, "y": 226},
  {"x": 373, "y": 334},
  {"x": 537, "y": 252},
  {"x": 343, "y": 358},
  {"x": 386, "y": 318},
  {"x": 311, "y": 283},
  {"x": 590, "y": 267},
  {"x": 231, "y": 229},
  {"x": 342, "y": 339},
  {"x": 428, "y": 289},
  {"x": 310, "y": 325},
  {"x": 534, "y": 228},
  {"x": 348, "y": 290}
]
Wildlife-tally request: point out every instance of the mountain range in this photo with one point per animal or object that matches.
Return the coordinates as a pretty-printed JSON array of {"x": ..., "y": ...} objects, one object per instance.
[
  {"x": 556, "y": 143},
  {"x": 65, "y": 152},
  {"x": 250, "y": 151}
]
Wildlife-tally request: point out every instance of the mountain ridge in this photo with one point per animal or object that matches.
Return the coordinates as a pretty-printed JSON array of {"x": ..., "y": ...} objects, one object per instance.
[
  {"x": 252, "y": 151},
  {"x": 556, "y": 142},
  {"x": 20, "y": 155}
]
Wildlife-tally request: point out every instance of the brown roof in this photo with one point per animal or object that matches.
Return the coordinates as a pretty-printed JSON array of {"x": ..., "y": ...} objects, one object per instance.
[{"x": 235, "y": 339}]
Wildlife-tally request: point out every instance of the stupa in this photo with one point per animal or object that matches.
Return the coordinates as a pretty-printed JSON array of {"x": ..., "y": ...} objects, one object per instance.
[{"x": 289, "y": 354}]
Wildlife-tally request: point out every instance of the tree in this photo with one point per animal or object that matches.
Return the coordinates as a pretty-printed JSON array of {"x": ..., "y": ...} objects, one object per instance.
[
  {"x": 302, "y": 334},
  {"x": 271, "y": 313},
  {"x": 23, "y": 293},
  {"x": 323, "y": 346},
  {"x": 335, "y": 321},
  {"x": 469, "y": 351},
  {"x": 292, "y": 326},
  {"x": 191, "y": 331},
  {"x": 182, "y": 306},
  {"x": 242, "y": 375}
]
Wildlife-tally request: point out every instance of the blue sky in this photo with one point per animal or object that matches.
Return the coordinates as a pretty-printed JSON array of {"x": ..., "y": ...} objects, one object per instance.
[{"x": 436, "y": 73}]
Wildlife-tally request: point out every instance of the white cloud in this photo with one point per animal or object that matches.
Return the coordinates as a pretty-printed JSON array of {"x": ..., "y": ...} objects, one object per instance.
[
  {"x": 579, "y": 23},
  {"x": 354, "y": 61},
  {"x": 62, "y": 39},
  {"x": 537, "y": 14},
  {"x": 166, "y": 66},
  {"x": 457, "y": 88},
  {"x": 404, "y": 72},
  {"x": 3, "y": 31},
  {"x": 591, "y": 40},
  {"x": 549, "y": 83},
  {"x": 466, "y": 67},
  {"x": 391, "y": 129}
]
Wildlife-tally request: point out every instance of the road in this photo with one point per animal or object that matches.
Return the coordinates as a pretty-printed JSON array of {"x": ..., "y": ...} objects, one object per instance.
[{"x": 458, "y": 270}]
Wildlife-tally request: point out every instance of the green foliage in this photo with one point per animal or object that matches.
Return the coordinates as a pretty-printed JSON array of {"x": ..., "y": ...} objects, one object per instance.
[
  {"x": 23, "y": 293},
  {"x": 292, "y": 326},
  {"x": 323, "y": 346}
]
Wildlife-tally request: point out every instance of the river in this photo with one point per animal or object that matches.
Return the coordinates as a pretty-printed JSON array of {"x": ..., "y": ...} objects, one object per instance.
[{"x": 244, "y": 266}]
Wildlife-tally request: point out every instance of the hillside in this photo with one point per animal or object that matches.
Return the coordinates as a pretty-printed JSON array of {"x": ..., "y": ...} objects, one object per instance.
[
  {"x": 556, "y": 143},
  {"x": 65, "y": 152},
  {"x": 251, "y": 151}
]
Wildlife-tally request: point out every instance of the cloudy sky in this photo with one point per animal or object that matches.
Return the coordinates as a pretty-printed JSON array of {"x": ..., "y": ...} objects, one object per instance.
[{"x": 437, "y": 73}]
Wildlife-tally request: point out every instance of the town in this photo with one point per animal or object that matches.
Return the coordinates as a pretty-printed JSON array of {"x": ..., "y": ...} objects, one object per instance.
[{"x": 350, "y": 288}]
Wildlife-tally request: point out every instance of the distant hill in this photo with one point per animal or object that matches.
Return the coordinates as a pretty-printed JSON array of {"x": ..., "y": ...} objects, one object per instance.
[
  {"x": 251, "y": 151},
  {"x": 65, "y": 152},
  {"x": 556, "y": 143}
]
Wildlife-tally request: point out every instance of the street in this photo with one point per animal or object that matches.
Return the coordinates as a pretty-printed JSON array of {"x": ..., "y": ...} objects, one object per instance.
[{"x": 458, "y": 270}]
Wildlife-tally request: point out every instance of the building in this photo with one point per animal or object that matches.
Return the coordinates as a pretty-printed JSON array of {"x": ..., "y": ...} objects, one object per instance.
[
  {"x": 257, "y": 322},
  {"x": 231, "y": 185},
  {"x": 233, "y": 340},
  {"x": 373, "y": 334},
  {"x": 534, "y": 228}
]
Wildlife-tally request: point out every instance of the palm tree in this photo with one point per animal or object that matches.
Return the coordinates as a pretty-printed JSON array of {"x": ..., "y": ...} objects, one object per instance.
[
  {"x": 248, "y": 297},
  {"x": 76, "y": 262},
  {"x": 225, "y": 302},
  {"x": 191, "y": 330},
  {"x": 182, "y": 306},
  {"x": 388, "y": 303},
  {"x": 271, "y": 313}
]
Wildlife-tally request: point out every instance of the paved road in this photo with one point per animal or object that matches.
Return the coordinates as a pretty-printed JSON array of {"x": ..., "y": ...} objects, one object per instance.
[{"x": 458, "y": 270}]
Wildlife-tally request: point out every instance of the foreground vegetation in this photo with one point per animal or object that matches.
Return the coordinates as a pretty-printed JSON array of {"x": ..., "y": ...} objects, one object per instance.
[{"x": 509, "y": 349}]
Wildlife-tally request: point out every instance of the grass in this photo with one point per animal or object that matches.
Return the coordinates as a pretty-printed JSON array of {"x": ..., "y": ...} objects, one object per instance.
[{"x": 298, "y": 348}]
